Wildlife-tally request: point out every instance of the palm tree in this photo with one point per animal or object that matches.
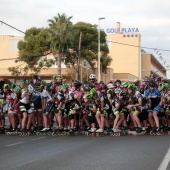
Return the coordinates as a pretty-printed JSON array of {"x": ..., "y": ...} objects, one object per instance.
[{"x": 60, "y": 31}]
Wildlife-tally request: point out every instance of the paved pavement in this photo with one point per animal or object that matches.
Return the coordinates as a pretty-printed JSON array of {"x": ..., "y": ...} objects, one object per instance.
[{"x": 83, "y": 153}]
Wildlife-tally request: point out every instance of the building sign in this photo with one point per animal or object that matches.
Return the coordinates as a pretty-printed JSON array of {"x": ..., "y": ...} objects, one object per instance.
[{"x": 122, "y": 30}]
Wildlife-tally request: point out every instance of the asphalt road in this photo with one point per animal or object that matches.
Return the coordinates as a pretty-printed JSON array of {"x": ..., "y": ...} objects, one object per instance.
[{"x": 83, "y": 153}]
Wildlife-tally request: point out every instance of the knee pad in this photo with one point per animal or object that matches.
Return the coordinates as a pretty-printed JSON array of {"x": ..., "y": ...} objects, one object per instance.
[{"x": 2, "y": 117}]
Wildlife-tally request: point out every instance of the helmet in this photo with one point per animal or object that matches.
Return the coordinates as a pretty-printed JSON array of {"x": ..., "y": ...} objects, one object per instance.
[
  {"x": 142, "y": 84},
  {"x": 164, "y": 86},
  {"x": 39, "y": 86},
  {"x": 53, "y": 77},
  {"x": 151, "y": 84},
  {"x": 146, "y": 79},
  {"x": 125, "y": 84},
  {"x": 109, "y": 92},
  {"x": 87, "y": 88},
  {"x": 123, "y": 93},
  {"x": 92, "y": 76},
  {"x": 30, "y": 89},
  {"x": 111, "y": 81},
  {"x": 131, "y": 86},
  {"x": 98, "y": 88},
  {"x": 86, "y": 82},
  {"x": 77, "y": 83},
  {"x": 17, "y": 89},
  {"x": 136, "y": 80},
  {"x": 110, "y": 86},
  {"x": 117, "y": 90},
  {"x": 6, "y": 86},
  {"x": 59, "y": 77},
  {"x": 92, "y": 91},
  {"x": 87, "y": 96},
  {"x": 37, "y": 77},
  {"x": 158, "y": 79},
  {"x": 104, "y": 86},
  {"x": 118, "y": 81},
  {"x": 65, "y": 85},
  {"x": 101, "y": 82},
  {"x": 13, "y": 86}
]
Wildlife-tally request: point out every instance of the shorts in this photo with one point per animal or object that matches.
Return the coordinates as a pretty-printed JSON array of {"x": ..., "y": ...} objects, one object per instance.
[
  {"x": 25, "y": 108},
  {"x": 49, "y": 108},
  {"x": 157, "y": 109},
  {"x": 143, "y": 115},
  {"x": 37, "y": 107},
  {"x": 16, "y": 108},
  {"x": 115, "y": 111},
  {"x": 6, "y": 107}
]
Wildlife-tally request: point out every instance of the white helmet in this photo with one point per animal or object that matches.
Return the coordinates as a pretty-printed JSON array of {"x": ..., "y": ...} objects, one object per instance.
[
  {"x": 136, "y": 80},
  {"x": 30, "y": 89},
  {"x": 117, "y": 90},
  {"x": 110, "y": 86},
  {"x": 92, "y": 76}
]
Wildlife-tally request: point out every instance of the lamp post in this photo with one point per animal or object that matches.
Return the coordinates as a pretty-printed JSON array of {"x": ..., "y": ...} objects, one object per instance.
[{"x": 99, "y": 49}]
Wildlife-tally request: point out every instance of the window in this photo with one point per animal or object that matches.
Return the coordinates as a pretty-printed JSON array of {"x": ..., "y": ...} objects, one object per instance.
[{"x": 13, "y": 45}]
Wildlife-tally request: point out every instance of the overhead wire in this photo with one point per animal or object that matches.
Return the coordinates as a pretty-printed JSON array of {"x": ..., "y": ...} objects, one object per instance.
[{"x": 150, "y": 48}]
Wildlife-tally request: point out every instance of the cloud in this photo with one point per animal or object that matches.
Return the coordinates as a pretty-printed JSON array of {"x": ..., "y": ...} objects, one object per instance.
[{"x": 150, "y": 16}]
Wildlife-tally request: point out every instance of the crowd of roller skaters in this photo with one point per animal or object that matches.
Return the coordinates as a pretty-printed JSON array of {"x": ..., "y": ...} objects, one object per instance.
[{"x": 91, "y": 106}]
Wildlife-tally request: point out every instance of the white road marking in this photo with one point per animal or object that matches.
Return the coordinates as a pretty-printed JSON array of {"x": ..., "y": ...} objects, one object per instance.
[
  {"x": 165, "y": 161},
  {"x": 39, "y": 138},
  {"x": 14, "y": 144}
]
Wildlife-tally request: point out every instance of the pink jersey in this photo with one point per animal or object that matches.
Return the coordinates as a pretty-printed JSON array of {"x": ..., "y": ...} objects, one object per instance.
[{"x": 79, "y": 94}]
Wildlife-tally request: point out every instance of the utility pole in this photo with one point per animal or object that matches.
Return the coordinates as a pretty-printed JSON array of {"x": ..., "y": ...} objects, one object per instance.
[{"x": 78, "y": 59}]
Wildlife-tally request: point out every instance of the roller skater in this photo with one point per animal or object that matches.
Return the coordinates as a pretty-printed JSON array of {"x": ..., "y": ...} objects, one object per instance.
[
  {"x": 117, "y": 107},
  {"x": 90, "y": 110},
  {"x": 26, "y": 110},
  {"x": 154, "y": 96}
]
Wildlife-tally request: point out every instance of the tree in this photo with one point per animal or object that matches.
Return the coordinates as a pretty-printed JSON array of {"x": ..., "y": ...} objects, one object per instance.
[
  {"x": 89, "y": 45},
  {"x": 60, "y": 36},
  {"x": 32, "y": 52}
]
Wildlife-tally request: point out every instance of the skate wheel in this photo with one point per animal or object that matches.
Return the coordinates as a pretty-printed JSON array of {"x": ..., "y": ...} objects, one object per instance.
[
  {"x": 151, "y": 133},
  {"x": 158, "y": 133},
  {"x": 105, "y": 133},
  {"x": 86, "y": 133}
]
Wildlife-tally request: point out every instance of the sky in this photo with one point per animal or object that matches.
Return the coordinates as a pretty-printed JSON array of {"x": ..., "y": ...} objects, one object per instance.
[{"x": 151, "y": 17}]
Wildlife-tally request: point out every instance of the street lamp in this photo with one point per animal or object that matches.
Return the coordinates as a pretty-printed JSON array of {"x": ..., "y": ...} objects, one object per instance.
[{"x": 99, "y": 49}]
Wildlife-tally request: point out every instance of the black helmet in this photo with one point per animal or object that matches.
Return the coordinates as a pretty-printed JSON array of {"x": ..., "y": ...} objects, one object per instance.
[
  {"x": 77, "y": 83},
  {"x": 118, "y": 81},
  {"x": 151, "y": 84},
  {"x": 35, "y": 76},
  {"x": 87, "y": 88},
  {"x": 123, "y": 93},
  {"x": 104, "y": 86}
]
